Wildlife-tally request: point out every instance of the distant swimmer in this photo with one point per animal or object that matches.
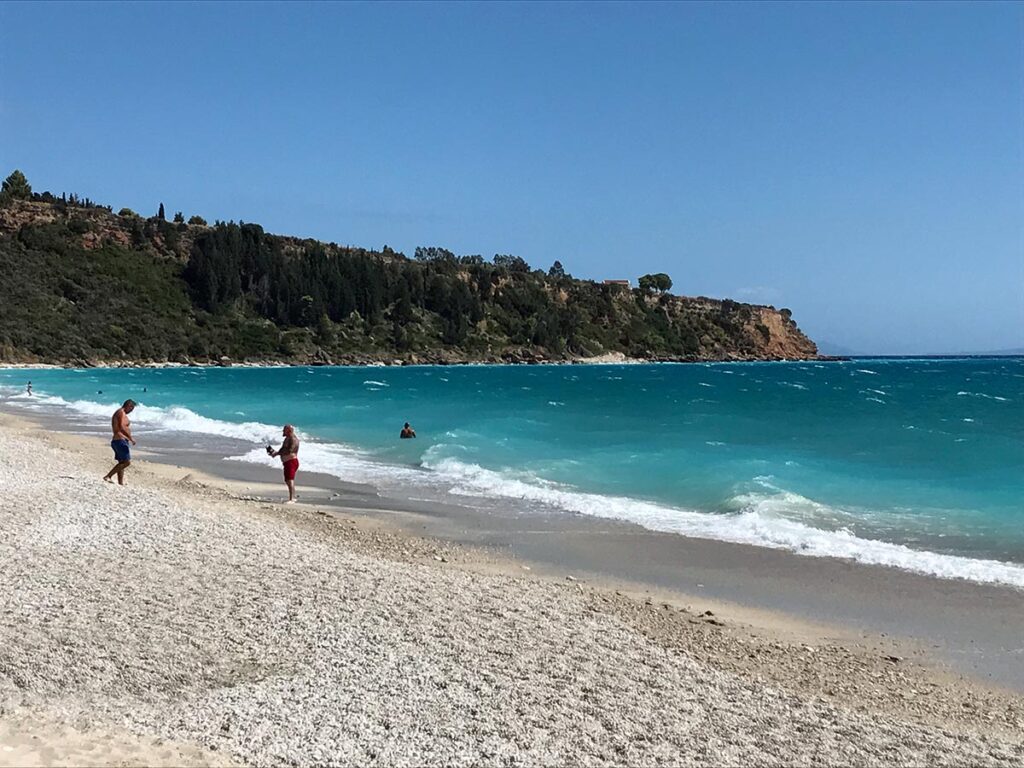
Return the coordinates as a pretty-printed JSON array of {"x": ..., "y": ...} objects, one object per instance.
[
  {"x": 28, "y": 389},
  {"x": 289, "y": 453},
  {"x": 122, "y": 429},
  {"x": 407, "y": 432}
]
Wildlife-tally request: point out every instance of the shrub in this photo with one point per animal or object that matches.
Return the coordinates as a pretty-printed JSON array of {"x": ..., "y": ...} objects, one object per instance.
[{"x": 77, "y": 226}]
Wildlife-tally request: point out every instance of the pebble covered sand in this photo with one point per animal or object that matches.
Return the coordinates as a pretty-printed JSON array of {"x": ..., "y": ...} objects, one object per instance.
[{"x": 169, "y": 615}]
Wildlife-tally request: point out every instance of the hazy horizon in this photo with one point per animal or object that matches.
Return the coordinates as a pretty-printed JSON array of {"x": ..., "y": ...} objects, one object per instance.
[{"x": 860, "y": 164}]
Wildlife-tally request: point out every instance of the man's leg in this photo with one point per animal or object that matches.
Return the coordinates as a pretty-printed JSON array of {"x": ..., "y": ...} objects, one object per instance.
[
  {"x": 291, "y": 489},
  {"x": 118, "y": 469}
]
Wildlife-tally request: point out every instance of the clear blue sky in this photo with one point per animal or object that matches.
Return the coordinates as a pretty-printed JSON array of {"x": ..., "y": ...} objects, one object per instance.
[{"x": 862, "y": 164}]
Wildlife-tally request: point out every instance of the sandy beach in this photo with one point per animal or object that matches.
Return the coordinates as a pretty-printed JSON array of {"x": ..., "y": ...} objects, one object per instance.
[{"x": 185, "y": 620}]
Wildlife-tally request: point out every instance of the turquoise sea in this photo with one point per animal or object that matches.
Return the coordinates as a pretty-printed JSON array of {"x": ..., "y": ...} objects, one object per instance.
[{"x": 912, "y": 463}]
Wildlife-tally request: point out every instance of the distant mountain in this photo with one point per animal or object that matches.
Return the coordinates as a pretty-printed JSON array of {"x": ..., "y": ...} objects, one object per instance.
[
  {"x": 837, "y": 350},
  {"x": 1015, "y": 351},
  {"x": 97, "y": 287}
]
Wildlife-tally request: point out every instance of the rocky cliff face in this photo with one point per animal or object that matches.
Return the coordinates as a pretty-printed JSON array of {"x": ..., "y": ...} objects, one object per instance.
[
  {"x": 784, "y": 339},
  {"x": 755, "y": 332}
]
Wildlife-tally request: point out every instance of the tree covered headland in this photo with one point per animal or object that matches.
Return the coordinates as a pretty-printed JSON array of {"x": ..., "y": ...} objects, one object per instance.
[{"x": 84, "y": 285}]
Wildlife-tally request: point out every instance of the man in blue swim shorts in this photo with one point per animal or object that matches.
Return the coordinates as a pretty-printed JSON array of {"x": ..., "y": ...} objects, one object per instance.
[{"x": 122, "y": 429}]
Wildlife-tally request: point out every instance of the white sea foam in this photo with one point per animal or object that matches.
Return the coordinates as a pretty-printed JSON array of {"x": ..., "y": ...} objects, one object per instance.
[
  {"x": 758, "y": 523},
  {"x": 867, "y": 370},
  {"x": 373, "y": 383},
  {"x": 175, "y": 418},
  {"x": 983, "y": 395},
  {"x": 343, "y": 462}
]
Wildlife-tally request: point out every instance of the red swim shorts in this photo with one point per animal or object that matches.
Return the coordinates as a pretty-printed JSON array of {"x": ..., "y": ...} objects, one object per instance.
[{"x": 290, "y": 468}]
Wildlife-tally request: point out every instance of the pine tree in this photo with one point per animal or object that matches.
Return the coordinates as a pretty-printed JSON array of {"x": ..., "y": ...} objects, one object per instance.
[
  {"x": 160, "y": 213},
  {"x": 15, "y": 187}
]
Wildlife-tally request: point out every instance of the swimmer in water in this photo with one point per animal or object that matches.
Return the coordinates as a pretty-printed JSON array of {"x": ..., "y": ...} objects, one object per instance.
[{"x": 407, "y": 432}]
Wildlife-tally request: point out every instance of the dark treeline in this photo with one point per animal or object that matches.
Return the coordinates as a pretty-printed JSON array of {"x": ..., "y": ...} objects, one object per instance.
[
  {"x": 438, "y": 298},
  {"x": 66, "y": 200},
  {"x": 436, "y": 291}
]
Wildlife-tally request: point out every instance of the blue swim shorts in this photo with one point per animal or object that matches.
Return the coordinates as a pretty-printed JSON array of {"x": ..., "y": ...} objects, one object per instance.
[{"x": 122, "y": 450}]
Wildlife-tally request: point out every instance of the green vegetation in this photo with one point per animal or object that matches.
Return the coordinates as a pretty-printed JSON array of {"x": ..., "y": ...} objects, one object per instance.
[
  {"x": 70, "y": 303},
  {"x": 95, "y": 287},
  {"x": 659, "y": 282}
]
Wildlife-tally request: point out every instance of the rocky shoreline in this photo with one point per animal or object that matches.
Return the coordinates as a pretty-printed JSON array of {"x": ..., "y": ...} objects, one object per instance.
[{"x": 430, "y": 358}]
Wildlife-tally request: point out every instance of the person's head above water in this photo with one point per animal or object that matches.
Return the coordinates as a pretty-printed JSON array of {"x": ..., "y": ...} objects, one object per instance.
[
  {"x": 407, "y": 425},
  {"x": 129, "y": 406}
]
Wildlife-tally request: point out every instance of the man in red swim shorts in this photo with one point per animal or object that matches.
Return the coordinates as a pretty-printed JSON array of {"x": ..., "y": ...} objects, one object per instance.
[{"x": 289, "y": 453}]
